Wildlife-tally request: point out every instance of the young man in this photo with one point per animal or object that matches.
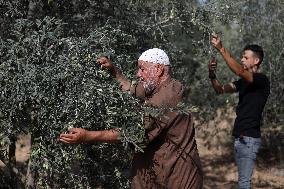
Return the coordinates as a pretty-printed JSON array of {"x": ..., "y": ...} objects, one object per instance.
[
  {"x": 253, "y": 88},
  {"x": 170, "y": 159}
]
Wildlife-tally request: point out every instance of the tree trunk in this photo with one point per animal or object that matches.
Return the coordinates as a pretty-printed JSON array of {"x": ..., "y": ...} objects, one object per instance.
[
  {"x": 30, "y": 177},
  {"x": 14, "y": 174}
]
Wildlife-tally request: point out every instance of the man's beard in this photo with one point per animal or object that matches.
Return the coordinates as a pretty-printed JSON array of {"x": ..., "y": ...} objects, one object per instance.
[{"x": 149, "y": 87}]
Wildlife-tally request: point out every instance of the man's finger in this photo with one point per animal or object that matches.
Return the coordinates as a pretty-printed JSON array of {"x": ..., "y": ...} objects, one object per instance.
[
  {"x": 99, "y": 61},
  {"x": 102, "y": 59},
  {"x": 63, "y": 140},
  {"x": 67, "y": 140},
  {"x": 104, "y": 66},
  {"x": 214, "y": 35},
  {"x": 67, "y": 135}
]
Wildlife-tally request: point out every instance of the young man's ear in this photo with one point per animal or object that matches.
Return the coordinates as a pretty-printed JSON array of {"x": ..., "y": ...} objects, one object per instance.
[{"x": 256, "y": 61}]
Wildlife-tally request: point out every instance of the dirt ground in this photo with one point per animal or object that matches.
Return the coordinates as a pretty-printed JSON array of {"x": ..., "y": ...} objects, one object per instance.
[
  {"x": 215, "y": 145},
  {"x": 218, "y": 166},
  {"x": 221, "y": 172}
]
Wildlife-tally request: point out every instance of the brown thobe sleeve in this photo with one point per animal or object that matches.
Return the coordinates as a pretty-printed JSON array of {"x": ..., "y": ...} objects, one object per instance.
[{"x": 154, "y": 126}]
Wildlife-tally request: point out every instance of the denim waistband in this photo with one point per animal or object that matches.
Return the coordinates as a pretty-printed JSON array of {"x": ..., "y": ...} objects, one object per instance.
[{"x": 248, "y": 139}]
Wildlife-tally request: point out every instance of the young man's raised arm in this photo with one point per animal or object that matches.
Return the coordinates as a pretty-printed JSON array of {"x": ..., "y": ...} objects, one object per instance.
[
  {"x": 231, "y": 62},
  {"x": 218, "y": 87}
]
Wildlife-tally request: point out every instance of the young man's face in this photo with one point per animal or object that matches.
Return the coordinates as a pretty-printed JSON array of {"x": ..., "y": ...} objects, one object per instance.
[
  {"x": 249, "y": 60},
  {"x": 148, "y": 74}
]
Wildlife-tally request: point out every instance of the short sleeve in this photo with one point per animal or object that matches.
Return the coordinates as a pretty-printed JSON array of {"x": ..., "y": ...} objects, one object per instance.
[{"x": 260, "y": 80}]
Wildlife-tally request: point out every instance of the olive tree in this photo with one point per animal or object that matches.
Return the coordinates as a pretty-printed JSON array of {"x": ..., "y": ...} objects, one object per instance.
[{"x": 50, "y": 82}]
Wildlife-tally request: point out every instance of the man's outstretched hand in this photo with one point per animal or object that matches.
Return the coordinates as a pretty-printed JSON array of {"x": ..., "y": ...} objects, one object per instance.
[
  {"x": 216, "y": 42},
  {"x": 74, "y": 136}
]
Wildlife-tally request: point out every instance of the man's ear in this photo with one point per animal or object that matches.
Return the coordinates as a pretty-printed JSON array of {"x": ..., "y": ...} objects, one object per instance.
[
  {"x": 160, "y": 69},
  {"x": 256, "y": 61}
]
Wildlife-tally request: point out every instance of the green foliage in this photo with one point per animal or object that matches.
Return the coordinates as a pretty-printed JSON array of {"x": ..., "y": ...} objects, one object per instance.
[{"x": 49, "y": 84}]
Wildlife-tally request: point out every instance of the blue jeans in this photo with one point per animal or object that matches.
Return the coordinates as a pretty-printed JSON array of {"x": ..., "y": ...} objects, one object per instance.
[{"x": 246, "y": 149}]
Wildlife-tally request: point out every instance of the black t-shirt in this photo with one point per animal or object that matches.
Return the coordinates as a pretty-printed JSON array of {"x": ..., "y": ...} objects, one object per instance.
[{"x": 252, "y": 99}]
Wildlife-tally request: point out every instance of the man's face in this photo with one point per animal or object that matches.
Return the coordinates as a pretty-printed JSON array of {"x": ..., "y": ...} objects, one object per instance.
[
  {"x": 249, "y": 60},
  {"x": 148, "y": 74}
]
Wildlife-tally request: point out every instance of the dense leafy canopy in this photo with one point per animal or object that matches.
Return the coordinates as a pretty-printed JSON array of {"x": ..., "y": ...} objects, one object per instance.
[
  {"x": 58, "y": 86},
  {"x": 49, "y": 79}
]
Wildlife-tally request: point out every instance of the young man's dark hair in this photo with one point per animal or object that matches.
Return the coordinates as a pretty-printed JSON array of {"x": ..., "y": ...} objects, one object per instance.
[{"x": 258, "y": 51}]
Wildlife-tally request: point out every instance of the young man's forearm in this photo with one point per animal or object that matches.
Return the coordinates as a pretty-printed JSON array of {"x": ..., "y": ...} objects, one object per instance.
[
  {"x": 235, "y": 66},
  {"x": 218, "y": 87}
]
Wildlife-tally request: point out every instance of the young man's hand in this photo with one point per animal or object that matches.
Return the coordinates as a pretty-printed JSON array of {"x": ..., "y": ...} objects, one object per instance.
[
  {"x": 212, "y": 66},
  {"x": 216, "y": 42},
  {"x": 74, "y": 136}
]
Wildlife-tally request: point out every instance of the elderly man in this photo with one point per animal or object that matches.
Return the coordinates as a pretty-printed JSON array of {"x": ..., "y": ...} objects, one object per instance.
[
  {"x": 170, "y": 159},
  {"x": 253, "y": 88}
]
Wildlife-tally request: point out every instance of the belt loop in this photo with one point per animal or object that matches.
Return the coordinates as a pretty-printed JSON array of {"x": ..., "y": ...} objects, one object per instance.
[
  {"x": 241, "y": 135},
  {"x": 241, "y": 138}
]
